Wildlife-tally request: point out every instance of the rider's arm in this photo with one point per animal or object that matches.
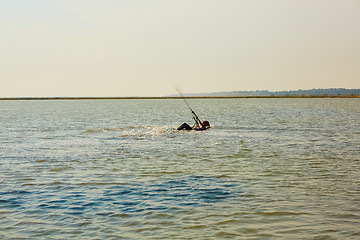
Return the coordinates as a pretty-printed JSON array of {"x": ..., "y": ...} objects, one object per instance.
[{"x": 197, "y": 120}]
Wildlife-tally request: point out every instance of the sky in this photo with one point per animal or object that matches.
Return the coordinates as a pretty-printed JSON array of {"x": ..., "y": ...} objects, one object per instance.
[{"x": 143, "y": 48}]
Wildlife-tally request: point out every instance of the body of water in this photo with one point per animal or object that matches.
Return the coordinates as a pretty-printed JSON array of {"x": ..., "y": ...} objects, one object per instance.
[{"x": 118, "y": 169}]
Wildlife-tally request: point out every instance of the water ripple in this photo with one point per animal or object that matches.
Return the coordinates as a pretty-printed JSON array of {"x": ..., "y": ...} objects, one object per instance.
[{"x": 269, "y": 169}]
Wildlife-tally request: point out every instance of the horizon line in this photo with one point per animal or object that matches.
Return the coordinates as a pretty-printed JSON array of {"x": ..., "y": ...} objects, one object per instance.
[{"x": 178, "y": 97}]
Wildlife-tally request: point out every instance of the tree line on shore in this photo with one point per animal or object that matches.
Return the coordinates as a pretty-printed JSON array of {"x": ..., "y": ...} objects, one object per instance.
[
  {"x": 329, "y": 92},
  {"x": 266, "y": 93}
]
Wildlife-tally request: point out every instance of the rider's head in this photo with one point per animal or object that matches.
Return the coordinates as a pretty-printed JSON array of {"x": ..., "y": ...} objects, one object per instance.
[{"x": 206, "y": 124}]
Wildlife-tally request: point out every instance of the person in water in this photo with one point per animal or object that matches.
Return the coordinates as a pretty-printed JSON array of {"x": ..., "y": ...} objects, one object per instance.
[
  {"x": 199, "y": 126},
  {"x": 202, "y": 126}
]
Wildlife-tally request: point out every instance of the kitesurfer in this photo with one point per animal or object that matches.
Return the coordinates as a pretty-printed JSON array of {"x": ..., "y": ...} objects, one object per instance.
[{"x": 199, "y": 126}]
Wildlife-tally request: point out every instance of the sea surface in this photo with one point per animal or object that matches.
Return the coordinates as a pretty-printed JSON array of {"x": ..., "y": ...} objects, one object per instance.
[{"x": 118, "y": 169}]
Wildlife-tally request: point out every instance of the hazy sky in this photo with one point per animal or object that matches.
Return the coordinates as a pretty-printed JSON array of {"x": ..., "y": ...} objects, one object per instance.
[{"x": 144, "y": 47}]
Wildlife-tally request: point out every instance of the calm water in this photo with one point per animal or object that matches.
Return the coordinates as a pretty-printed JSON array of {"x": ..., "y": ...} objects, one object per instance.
[{"x": 117, "y": 169}]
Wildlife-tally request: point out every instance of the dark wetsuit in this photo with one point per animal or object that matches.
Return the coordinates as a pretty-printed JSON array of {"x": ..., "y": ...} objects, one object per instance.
[
  {"x": 199, "y": 126},
  {"x": 184, "y": 126}
]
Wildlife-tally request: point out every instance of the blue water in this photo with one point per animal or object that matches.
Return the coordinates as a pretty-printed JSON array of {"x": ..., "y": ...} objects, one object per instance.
[{"x": 118, "y": 169}]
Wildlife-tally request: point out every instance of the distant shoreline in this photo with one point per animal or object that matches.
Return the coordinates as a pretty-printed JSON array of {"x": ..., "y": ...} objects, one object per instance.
[{"x": 192, "y": 97}]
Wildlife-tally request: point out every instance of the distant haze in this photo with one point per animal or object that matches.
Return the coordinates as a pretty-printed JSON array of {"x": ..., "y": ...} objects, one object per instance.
[{"x": 143, "y": 48}]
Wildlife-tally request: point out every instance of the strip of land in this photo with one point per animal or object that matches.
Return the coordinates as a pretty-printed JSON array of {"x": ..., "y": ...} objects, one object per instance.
[{"x": 188, "y": 97}]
